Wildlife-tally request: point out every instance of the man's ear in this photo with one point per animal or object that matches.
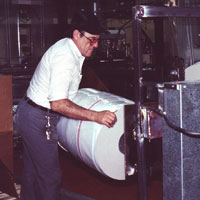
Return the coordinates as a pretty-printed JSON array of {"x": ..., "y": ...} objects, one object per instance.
[{"x": 76, "y": 34}]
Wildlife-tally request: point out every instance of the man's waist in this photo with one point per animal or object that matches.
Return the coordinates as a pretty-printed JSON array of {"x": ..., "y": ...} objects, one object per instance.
[{"x": 32, "y": 103}]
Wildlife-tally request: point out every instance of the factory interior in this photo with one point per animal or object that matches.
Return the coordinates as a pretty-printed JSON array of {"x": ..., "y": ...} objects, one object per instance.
[{"x": 142, "y": 56}]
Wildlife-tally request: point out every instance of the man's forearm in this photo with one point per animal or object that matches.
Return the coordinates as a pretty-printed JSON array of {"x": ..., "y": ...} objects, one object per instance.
[{"x": 72, "y": 110}]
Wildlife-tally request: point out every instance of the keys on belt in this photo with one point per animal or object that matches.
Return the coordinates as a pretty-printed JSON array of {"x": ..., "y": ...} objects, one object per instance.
[{"x": 48, "y": 125}]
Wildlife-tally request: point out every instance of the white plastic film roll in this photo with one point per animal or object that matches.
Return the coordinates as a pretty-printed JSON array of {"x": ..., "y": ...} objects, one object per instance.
[
  {"x": 93, "y": 143},
  {"x": 192, "y": 73}
]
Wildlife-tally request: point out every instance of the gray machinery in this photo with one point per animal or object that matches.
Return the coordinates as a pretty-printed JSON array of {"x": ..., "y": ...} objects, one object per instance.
[{"x": 181, "y": 141}]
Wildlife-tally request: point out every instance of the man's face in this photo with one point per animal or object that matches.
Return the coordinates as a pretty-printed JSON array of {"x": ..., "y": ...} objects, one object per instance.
[{"x": 85, "y": 42}]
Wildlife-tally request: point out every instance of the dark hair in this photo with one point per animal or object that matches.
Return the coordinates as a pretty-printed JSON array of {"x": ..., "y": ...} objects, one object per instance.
[{"x": 85, "y": 21}]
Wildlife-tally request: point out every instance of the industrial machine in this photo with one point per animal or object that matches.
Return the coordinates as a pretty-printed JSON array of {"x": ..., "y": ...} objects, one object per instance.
[{"x": 182, "y": 20}]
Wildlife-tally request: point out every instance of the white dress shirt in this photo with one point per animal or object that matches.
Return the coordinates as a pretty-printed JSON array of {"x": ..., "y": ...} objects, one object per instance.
[{"x": 58, "y": 74}]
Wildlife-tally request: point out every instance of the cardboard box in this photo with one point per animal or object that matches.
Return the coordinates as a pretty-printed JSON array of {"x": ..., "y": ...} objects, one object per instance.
[
  {"x": 6, "y": 149},
  {"x": 6, "y": 103}
]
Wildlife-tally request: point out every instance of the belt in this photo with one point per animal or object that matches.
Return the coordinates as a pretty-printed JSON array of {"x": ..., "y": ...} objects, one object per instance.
[{"x": 30, "y": 102}]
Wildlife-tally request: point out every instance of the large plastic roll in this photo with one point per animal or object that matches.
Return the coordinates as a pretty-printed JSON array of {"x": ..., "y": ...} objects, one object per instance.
[
  {"x": 93, "y": 143},
  {"x": 192, "y": 73}
]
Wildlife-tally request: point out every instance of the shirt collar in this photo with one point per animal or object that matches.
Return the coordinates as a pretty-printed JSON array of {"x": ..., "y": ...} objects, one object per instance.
[
  {"x": 76, "y": 50},
  {"x": 77, "y": 54}
]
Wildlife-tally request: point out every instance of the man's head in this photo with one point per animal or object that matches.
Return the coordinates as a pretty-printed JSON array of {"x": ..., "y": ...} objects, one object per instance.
[{"x": 86, "y": 31}]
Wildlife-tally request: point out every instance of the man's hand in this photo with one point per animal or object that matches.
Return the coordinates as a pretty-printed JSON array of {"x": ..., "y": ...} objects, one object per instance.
[{"x": 106, "y": 118}]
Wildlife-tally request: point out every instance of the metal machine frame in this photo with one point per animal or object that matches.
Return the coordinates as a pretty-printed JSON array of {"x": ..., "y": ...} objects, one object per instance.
[{"x": 140, "y": 13}]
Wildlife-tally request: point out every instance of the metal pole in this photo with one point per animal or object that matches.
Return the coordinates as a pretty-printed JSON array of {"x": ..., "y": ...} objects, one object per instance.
[{"x": 137, "y": 50}]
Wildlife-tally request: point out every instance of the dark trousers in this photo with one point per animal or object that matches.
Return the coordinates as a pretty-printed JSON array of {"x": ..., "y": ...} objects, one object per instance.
[{"x": 41, "y": 176}]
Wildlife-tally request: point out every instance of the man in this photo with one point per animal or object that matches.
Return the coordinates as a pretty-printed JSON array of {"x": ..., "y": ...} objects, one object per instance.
[{"x": 50, "y": 93}]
